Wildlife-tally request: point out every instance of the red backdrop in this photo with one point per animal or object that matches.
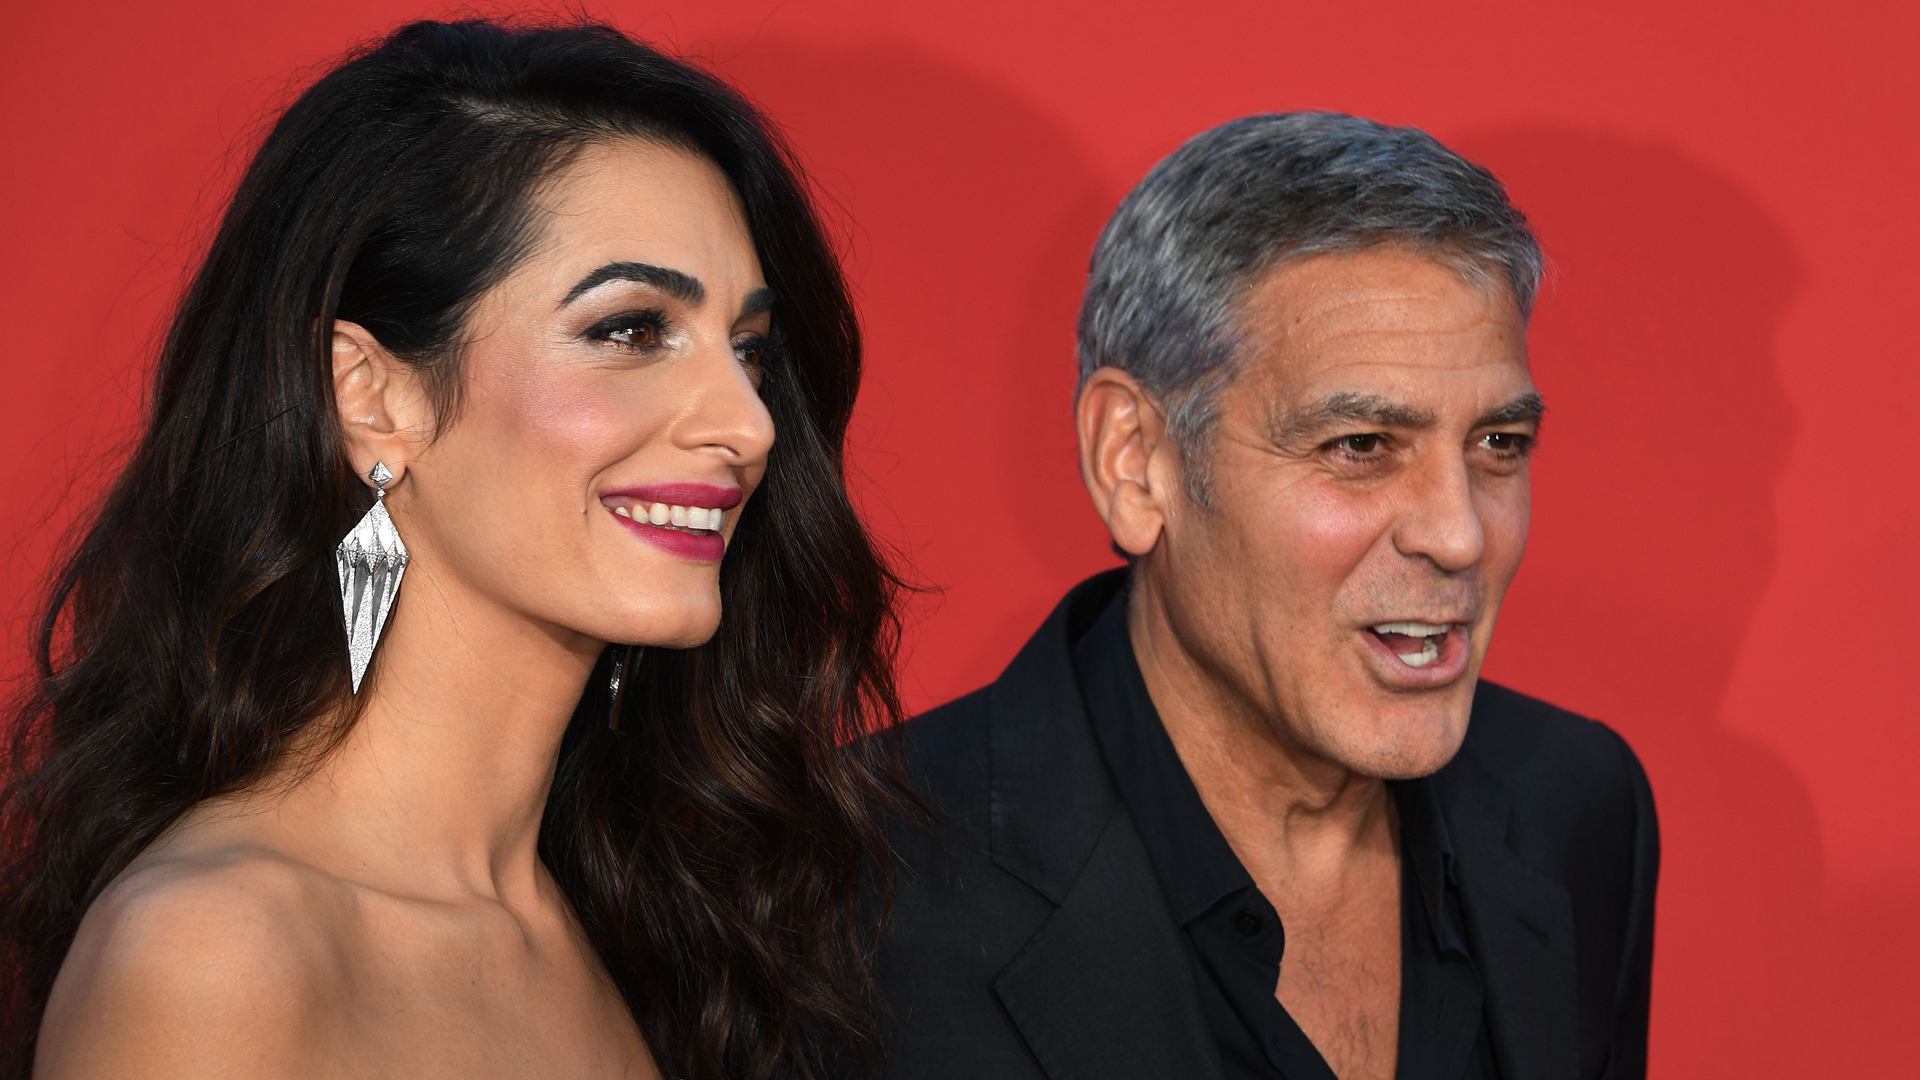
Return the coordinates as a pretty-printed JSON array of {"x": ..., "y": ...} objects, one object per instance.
[{"x": 1726, "y": 527}]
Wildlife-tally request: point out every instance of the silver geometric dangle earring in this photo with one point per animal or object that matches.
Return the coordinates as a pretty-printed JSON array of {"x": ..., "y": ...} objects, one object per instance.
[{"x": 371, "y": 561}]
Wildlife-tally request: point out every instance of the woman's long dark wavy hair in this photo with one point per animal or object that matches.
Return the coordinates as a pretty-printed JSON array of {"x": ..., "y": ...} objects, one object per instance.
[{"x": 716, "y": 848}]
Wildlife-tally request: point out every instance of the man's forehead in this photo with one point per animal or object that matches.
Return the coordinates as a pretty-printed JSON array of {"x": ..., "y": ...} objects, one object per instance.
[
  {"x": 1381, "y": 323},
  {"x": 1355, "y": 300}
]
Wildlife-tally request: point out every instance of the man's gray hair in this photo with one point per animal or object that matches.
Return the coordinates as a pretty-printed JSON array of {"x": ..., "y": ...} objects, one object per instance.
[{"x": 1231, "y": 204}]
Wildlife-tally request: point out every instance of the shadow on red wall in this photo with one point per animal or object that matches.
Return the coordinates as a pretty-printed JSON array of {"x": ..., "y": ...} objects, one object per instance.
[
  {"x": 1653, "y": 545},
  {"x": 972, "y": 216}
]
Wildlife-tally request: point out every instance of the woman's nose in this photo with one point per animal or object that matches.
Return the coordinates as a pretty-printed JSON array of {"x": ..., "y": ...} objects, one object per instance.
[{"x": 727, "y": 415}]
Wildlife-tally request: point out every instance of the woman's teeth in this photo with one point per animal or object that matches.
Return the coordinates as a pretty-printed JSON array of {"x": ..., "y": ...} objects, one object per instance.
[
  {"x": 1399, "y": 635},
  {"x": 679, "y": 517}
]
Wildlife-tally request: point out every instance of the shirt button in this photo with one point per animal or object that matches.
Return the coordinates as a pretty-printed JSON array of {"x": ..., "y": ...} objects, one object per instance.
[{"x": 1247, "y": 922}]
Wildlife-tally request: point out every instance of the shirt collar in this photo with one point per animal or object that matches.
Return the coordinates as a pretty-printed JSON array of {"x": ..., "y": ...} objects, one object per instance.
[
  {"x": 1195, "y": 864},
  {"x": 1427, "y": 849}
]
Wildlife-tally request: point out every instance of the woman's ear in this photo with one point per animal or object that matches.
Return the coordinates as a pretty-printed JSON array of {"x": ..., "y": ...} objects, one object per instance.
[
  {"x": 1121, "y": 431},
  {"x": 383, "y": 409}
]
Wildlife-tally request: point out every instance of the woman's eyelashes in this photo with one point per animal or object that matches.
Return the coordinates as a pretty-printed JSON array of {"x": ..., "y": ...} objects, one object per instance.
[
  {"x": 751, "y": 351},
  {"x": 637, "y": 330},
  {"x": 645, "y": 331}
]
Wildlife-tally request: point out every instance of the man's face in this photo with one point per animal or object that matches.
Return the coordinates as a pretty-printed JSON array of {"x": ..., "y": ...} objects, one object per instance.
[{"x": 1368, "y": 507}]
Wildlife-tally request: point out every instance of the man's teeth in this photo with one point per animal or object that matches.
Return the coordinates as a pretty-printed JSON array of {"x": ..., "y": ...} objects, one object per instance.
[
  {"x": 1426, "y": 632},
  {"x": 684, "y": 517},
  {"x": 1429, "y": 652},
  {"x": 1410, "y": 629}
]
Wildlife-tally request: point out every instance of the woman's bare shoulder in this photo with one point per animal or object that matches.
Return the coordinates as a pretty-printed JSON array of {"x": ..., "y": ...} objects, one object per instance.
[{"x": 199, "y": 954}]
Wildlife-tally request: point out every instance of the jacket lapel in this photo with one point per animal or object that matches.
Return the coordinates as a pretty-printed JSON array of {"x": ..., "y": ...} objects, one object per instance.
[
  {"x": 1050, "y": 793},
  {"x": 1103, "y": 989},
  {"x": 1520, "y": 930}
]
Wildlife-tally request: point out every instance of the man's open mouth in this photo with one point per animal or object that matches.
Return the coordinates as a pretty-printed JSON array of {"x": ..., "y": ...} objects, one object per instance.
[{"x": 1416, "y": 644}]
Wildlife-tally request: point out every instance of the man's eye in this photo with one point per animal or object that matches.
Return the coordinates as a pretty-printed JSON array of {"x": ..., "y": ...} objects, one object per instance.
[
  {"x": 1362, "y": 445},
  {"x": 1507, "y": 443}
]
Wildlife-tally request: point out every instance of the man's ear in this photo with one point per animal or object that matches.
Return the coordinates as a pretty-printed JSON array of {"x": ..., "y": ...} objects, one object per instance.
[
  {"x": 1123, "y": 444},
  {"x": 380, "y": 402}
]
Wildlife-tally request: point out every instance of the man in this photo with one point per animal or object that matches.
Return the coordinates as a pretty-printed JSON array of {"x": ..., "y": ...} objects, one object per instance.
[{"x": 1244, "y": 809}]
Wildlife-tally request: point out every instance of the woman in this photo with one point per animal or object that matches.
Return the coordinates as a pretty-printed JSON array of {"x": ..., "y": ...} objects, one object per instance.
[{"x": 339, "y": 760}]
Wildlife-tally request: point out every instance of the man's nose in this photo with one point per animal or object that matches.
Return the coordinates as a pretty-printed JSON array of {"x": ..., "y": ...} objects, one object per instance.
[
  {"x": 727, "y": 418},
  {"x": 1440, "y": 521}
]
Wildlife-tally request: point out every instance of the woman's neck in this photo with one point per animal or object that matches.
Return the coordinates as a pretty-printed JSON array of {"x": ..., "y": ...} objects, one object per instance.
[{"x": 440, "y": 785}]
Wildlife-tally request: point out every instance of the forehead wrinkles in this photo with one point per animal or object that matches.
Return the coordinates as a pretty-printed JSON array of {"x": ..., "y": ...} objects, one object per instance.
[
  {"x": 1300, "y": 306},
  {"x": 1356, "y": 326},
  {"x": 1354, "y": 329}
]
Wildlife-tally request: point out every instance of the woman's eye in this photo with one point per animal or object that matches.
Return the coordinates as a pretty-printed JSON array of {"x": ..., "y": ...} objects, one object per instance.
[
  {"x": 751, "y": 351},
  {"x": 639, "y": 330}
]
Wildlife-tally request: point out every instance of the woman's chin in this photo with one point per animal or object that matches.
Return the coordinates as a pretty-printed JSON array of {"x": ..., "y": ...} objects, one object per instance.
[{"x": 685, "y": 629}]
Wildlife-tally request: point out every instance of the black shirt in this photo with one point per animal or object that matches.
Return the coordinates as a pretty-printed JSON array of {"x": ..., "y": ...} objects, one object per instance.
[{"x": 1233, "y": 934}]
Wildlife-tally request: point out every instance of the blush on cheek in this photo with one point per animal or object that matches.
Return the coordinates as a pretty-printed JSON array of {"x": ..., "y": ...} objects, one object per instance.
[
  {"x": 575, "y": 422},
  {"x": 572, "y": 419}
]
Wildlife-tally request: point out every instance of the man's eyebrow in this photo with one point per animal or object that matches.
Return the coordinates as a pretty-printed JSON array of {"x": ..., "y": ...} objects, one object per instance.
[
  {"x": 1345, "y": 407},
  {"x": 680, "y": 286},
  {"x": 757, "y": 301},
  {"x": 1525, "y": 409}
]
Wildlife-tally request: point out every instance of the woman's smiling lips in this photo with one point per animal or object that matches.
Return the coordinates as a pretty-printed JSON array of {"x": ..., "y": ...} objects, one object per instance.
[{"x": 683, "y": 518}]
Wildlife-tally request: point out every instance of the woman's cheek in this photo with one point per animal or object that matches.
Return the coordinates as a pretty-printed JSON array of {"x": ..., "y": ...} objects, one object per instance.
[{"x": 579, "y": 418}]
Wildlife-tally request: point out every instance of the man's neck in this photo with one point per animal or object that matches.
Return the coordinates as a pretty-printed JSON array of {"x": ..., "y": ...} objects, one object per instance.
[{"x": 1297, "y": 820}]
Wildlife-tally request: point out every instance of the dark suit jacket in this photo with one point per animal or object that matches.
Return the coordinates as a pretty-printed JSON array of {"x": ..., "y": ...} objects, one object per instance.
[{"x": 1030, "y": 939}]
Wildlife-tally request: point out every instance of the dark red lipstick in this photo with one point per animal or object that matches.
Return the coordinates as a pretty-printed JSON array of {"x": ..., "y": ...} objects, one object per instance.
[
  {"x": 685, "y": 493},
  {"x": 630, "y": 507}
]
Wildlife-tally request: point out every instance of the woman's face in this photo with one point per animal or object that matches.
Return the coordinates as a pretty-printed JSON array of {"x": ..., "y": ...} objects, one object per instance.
[{"x": 610, "y": 428}]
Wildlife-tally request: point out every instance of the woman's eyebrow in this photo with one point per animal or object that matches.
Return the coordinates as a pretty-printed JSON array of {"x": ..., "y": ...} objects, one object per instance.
[
  {"x": 757, "y": 301},
  {"x": 680, "y": 286}
]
